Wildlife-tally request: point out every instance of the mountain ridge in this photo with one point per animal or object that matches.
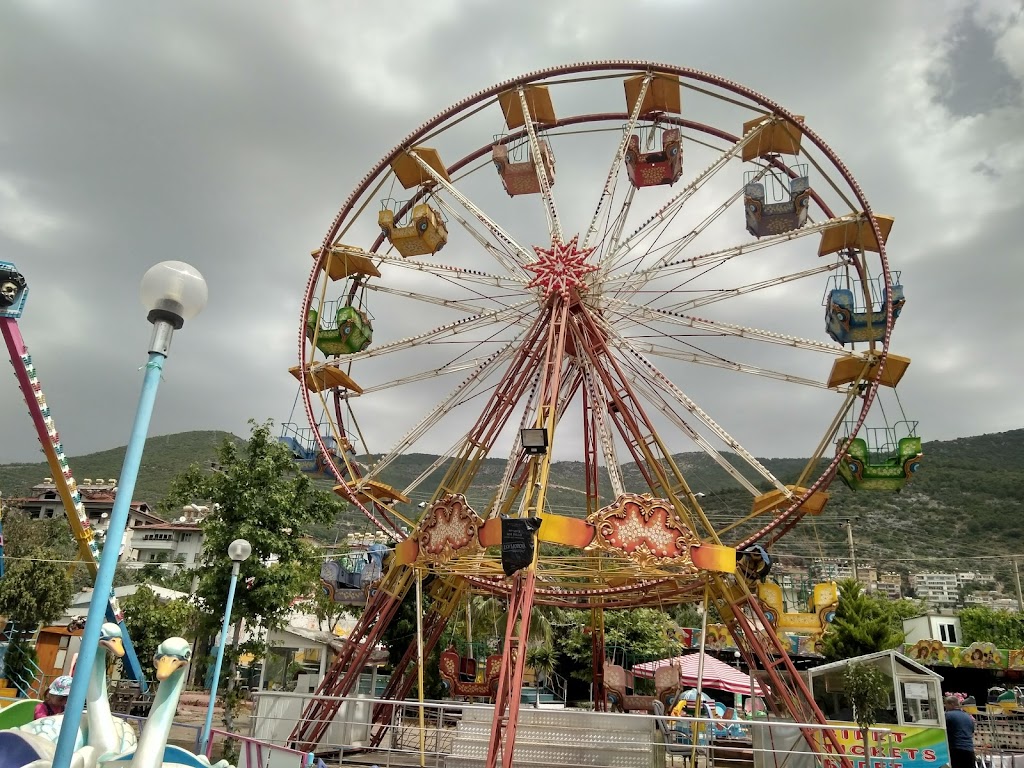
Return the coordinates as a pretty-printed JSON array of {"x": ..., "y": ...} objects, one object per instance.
[{"x": 963, "y": 511}]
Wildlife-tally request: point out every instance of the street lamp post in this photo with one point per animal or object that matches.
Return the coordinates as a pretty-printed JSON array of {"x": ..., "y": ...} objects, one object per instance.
[
  {"x": 239, "y": 551},
  {"x": 172, "y": 292}
]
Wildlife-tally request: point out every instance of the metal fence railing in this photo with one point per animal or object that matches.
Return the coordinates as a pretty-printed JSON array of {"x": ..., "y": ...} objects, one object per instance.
[
  {"x": 248, "y": 752},
  {"x": 456, "y": 735}
]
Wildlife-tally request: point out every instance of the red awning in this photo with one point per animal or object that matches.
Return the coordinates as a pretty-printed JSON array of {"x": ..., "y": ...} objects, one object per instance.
[{"x": 717, "y": 674}]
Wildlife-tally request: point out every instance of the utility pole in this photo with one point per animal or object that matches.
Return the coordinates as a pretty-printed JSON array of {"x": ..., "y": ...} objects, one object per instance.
[
  {"x": 853, "y": 551},
  {"x": 1020, "y": 599}
]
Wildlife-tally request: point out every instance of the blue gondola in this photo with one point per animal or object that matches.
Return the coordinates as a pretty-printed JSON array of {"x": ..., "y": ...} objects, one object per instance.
[
  {"x": 848, "y": 320},
  {"x": 350, "y": 578},
  {"x": 306, "y": 452}
]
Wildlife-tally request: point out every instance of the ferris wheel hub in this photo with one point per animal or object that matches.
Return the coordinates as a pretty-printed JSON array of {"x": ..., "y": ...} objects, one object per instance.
[{"x": 561, "y": 269}]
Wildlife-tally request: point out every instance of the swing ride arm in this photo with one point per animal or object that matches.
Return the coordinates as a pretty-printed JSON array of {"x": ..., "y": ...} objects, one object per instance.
[
  {"x": 343, "y": 674},
  {"x": 64, "y": 482},
  {"x": 761, "y": 648},
  {"x": 446, "y": 594}
]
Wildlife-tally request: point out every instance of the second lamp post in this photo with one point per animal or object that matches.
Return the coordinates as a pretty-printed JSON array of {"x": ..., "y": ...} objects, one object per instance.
[{"x": 239, "y": 551}]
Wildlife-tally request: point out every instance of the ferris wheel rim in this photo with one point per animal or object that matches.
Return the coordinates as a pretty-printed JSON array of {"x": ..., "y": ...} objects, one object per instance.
[{"x": 783, "y": 520}]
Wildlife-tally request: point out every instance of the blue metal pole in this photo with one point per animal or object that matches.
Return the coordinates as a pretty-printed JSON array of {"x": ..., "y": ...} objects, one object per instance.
[
  {"x": 131, "y": 658},
  {"x": 108, "y": 562},
  {"x": 204, "y": 740}
]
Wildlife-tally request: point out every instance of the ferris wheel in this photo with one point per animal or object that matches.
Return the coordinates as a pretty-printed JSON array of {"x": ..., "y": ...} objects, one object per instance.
[{"x": 608, "y": 263}]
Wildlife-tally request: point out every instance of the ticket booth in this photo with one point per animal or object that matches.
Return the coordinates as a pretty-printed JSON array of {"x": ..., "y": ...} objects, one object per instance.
[{"x": 914, "y": 721}]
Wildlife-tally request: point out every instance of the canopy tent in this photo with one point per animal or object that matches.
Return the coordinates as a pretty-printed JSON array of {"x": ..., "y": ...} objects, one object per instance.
[{"x": 717, "y": 674}]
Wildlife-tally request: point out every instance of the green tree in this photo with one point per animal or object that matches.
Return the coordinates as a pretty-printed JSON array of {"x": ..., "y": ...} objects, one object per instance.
[
  {"x": 151, "y": 621},
  {"x": 328, "y": 613},
  {"x": 36, "y": 587},
  {"x": 868, "y": 689},
  {"x": 179, "y": 580},
  {"x": 257, "y": 494},
  {"x": 989, "y": 625},
  {"x": 642, "y": 634},
  {"x": 863, "y": 624},
  {"x": 543, "y": 659}
]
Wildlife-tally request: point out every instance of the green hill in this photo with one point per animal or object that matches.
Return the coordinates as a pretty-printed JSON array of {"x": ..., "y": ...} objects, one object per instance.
[
  {"x": 963, "y": 511},
  {"x": 164, "y": 457}
]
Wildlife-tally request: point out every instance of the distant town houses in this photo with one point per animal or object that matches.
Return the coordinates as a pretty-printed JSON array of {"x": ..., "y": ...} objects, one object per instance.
[
  {"x": 178, "y": 543},
  {"x": 148, "y": 538},
  {"x": 941, "y": 591}
]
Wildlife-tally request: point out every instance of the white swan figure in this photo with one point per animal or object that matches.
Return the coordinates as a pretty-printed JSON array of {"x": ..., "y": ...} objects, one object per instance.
[
  {"x": 170, "y": 660},
  {"x": 152, "y": 751},
  {"x": 108, "y": 735}
]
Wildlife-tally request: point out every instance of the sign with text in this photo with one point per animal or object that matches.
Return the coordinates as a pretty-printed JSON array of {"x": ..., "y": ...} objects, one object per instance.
[
  {"x": 518, "y": 539},
  {"x": 905, "y": 746}
]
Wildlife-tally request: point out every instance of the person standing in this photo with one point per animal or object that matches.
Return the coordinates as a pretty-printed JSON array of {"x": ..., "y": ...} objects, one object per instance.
[
  {"x": 55, "y": 699},
  {"x": 959, "y": 734}
]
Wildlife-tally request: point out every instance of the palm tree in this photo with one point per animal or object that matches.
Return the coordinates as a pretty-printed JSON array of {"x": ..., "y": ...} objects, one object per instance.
[{"x": 542, "y": 658}]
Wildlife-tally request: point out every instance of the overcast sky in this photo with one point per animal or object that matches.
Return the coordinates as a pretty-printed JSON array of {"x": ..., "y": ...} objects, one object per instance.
[{"x": 227, "y": 134}]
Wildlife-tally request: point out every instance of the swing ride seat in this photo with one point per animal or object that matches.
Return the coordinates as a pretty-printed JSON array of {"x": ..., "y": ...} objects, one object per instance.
[
  {"x": 454, "y": 666},
  {"x": 858, "y": 472},
  {"x": 424, "y": 234},
  {"x": 667, "y": 684},
  {"x": 521, "y": 178},
  {"x": 846, "y": 325},
  {"x": 352, "y": 332},
  {"x": 650, "y": 169},
  {"x": 776, "y": 218},
  {"x": 822, "y": 606}
]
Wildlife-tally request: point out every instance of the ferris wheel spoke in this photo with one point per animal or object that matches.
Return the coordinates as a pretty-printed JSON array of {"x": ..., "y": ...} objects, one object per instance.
[
  {"x": 659, "y": 350},
  {"x": 617, "y": 227},
  {"x": 617, "y": 159},
  {"x": 468, "y": 388},
  {"x": 850, "y": 398},
  {"x": 632, "y": 313},
  {"x": 440, "y": 301},
  {"x": 525, "y": 257},
  {"x": 550, "y": 210},
  {"x": 444, "y": 370},
  {"x": 460, "y": 274},
  {"x": 605, "y": 437},
  {"x": 501, "y": 254},
  {"x": 649, "y": 370},
  {"x": 670, "y": 251},
  {"x": 725, "y": 254},
  {"x": 463, "y": 325},
  {"x": 643, "y": 385},
  {"x": 713, "y": 297},
  {"x": 664, "y": 214}
]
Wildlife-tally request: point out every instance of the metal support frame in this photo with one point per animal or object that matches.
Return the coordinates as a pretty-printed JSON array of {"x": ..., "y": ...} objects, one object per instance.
[
  {"x": 343, "y": 674},
  {"x": 599, "y": 693},
  {"x": 63, "y": 479},
  {"x": 760, "y": 647},
  {"x": 444, "y": 599},
  {"x": 510, "y": 678}
]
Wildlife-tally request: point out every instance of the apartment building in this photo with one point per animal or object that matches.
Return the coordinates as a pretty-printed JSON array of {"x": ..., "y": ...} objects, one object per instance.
[{"x": 148, "y": 538}]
